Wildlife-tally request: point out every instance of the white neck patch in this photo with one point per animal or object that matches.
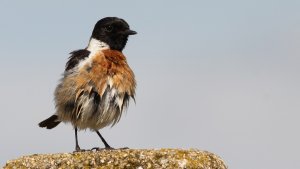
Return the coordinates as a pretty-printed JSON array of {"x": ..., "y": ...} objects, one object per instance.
[{"x": 96, "y": 45}]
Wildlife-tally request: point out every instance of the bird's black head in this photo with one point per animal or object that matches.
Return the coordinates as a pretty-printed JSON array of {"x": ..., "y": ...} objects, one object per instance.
[{"x": 113, "y": 31}]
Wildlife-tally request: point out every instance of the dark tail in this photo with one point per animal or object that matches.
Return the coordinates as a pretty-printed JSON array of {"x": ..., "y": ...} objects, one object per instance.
[{"x": 50, "y": 123}]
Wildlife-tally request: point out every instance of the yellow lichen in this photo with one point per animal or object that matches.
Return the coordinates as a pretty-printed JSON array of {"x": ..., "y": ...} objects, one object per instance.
[{"x": 129, "y": 158}]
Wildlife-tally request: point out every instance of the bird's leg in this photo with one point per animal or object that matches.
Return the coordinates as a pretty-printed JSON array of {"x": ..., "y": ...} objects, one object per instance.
[
  {"x": 77, "y": 148},
  {"x": 107, "y": 147},
  {"x": 103, "y": 140}
]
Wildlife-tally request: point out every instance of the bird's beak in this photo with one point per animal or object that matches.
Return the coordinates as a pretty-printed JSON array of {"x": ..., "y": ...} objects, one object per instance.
[{"x": 130, "y": 32}]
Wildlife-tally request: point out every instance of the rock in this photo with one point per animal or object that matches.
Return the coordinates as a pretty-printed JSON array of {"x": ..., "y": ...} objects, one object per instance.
[{"x": 128, "y": 158}]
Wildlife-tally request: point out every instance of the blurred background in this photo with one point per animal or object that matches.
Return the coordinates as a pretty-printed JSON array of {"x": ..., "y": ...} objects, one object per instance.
[{"x": 221, "y": 76}]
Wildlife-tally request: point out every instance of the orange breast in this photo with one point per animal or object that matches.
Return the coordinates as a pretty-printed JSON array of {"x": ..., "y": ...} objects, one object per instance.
[{"x": 107, "y": 68}]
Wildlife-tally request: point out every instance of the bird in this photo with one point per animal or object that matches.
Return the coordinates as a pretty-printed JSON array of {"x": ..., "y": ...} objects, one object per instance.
[{"x": 97, "y": 84}]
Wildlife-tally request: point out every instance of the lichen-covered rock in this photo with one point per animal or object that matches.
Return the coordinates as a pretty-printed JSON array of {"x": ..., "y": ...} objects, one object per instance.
[{"x": 128, "y": 158}]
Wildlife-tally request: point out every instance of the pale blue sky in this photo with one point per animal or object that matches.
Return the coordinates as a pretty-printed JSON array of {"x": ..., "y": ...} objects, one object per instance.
[{"x": 221, "y": 76}]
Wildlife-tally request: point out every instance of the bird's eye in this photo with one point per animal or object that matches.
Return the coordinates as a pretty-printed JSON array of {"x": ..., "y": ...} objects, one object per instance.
[{"x": 109, "y": 28}]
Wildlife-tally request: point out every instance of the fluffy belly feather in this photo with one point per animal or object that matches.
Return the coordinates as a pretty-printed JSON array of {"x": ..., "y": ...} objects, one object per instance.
[{"x": 94, "y": 94}]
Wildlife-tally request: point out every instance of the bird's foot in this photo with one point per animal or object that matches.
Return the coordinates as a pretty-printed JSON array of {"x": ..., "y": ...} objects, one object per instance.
[
  {"x": 101, "y": 149},
  {"x": 108, "y": 148},
  {"x": 81, "y": 150},
  {"x": 78, "y": 149}
]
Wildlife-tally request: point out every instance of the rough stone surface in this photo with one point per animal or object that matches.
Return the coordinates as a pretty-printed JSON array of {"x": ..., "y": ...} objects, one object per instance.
[{"x": 130, "y": 158}]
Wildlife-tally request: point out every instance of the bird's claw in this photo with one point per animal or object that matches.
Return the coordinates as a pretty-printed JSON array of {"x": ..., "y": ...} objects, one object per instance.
[
  {"x": 108, "y": 148},
  {"x": 101, "y": 149},
  {"x": 80, "y": 150}
]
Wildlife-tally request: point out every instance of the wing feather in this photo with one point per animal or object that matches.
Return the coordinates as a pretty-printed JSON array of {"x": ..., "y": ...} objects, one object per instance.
[{"x": 76, "y": 57}]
